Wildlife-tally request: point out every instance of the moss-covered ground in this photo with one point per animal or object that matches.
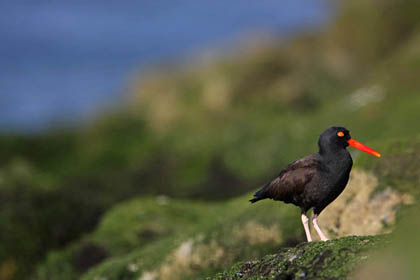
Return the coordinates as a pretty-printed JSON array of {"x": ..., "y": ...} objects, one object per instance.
[
  {"x": 149, "y": 234},
  {"x": 334, "y": 259}
]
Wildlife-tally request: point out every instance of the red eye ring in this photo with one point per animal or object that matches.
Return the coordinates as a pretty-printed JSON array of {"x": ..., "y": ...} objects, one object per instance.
[{"x": 340, "y": 134}]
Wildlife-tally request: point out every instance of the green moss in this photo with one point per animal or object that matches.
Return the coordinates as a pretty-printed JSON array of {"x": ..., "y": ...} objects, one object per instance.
[
  {"x": 333, "y": 259},
  {"x": 131, "y": 226},
  {"x": 145, "y": 233}
]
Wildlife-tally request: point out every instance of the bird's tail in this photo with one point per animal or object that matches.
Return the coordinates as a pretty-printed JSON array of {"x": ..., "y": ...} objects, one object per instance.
[
  {"x": 255, "y": 199},
  {"x": 259, "y": 195}
]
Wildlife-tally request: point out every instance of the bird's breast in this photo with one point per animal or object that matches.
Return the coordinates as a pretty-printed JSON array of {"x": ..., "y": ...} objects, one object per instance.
[{"x": 335, "y": 180}]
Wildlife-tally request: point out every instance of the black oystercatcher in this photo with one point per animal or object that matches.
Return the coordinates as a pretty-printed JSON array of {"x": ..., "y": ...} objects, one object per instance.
[{"x": 316, "y": 180}]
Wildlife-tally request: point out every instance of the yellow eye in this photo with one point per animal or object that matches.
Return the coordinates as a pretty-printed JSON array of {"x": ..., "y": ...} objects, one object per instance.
[{"x": 340, "y": 134}]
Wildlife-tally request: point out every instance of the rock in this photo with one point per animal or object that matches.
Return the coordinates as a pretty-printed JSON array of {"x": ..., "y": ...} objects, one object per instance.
[{"x": 334, "y": 259}]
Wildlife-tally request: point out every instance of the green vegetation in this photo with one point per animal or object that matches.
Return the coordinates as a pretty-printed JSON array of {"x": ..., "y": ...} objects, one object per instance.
[
  {"x": 210, "y": 132},
  {"x": 171, "y": 239},
  {"x": 334, "y": 259},
  {"x": 148, "y": 235}
]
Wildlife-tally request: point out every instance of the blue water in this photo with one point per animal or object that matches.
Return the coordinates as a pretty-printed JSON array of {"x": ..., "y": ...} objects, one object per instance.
[{"x": 59, "y": 60}]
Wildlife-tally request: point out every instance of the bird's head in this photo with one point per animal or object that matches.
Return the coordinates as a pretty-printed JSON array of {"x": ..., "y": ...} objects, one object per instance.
[{"x": 338, "y": 137}]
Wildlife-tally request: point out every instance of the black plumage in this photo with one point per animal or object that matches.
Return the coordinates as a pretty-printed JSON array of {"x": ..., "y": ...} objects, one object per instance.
[{"x": 316, "y": 180}]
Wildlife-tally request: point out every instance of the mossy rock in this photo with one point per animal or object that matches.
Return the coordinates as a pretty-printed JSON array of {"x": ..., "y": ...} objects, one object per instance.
[
  {"x": 334, "y": 259},
  {"x": 129, "y": 226},
  {"x": 145, "y": 235}
]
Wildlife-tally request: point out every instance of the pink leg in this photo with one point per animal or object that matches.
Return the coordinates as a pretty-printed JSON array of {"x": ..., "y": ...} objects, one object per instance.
[
  {"x": 318, "y": 230},
  {"x": 306, "y": 226}
]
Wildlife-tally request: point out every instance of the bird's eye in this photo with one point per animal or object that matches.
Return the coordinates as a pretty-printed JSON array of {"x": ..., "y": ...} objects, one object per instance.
[{"x": 340, "y": 134}]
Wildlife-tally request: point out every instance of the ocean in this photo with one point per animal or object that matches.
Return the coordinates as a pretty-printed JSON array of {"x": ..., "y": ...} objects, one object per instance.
[{"x": 61, "y": 60}]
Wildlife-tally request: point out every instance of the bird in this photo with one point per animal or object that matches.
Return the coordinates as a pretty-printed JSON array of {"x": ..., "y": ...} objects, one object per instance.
[{"x": 314, "y": 181}]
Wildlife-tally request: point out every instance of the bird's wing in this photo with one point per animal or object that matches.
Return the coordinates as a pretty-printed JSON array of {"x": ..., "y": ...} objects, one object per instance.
[{"x": 292, "y": 180}]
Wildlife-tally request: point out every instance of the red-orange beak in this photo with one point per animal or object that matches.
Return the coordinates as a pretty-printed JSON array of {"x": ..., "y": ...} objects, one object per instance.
[{"x": 363, "y": 147}]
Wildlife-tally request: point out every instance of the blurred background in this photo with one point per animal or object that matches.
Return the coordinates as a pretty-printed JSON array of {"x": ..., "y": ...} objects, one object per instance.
[
  {"x": 62, "y": 61},
  {"x": 133, "y": 133}
]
